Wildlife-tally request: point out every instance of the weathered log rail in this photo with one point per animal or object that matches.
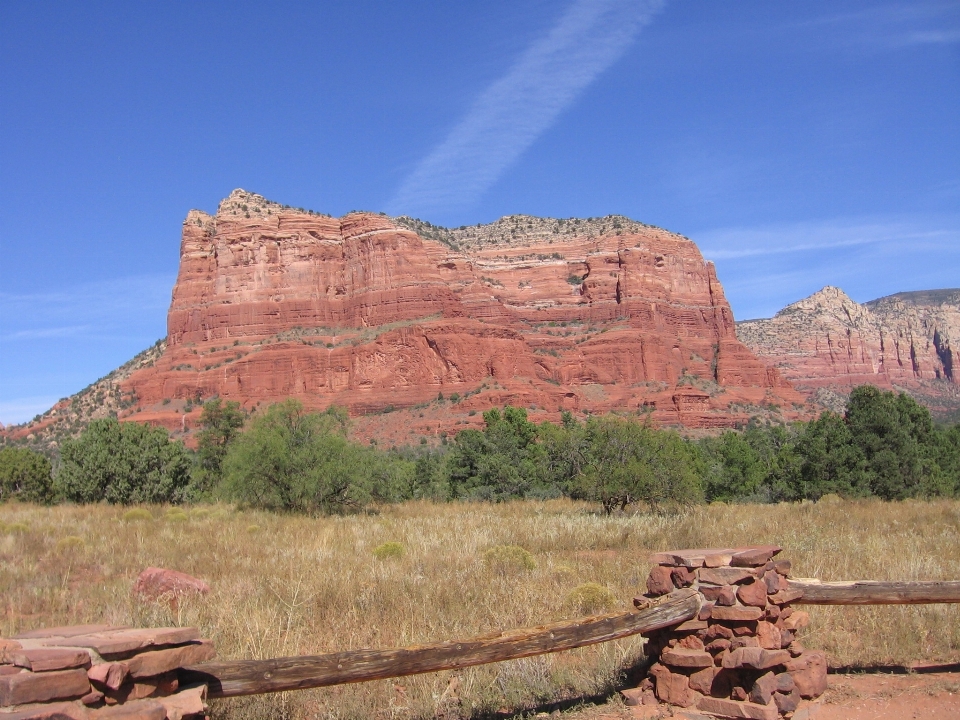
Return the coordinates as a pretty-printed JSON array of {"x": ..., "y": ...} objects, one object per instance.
[
  {"x": 233, "y": 678},
  {"x": 872, "y": 592},
  {"x": 250, "y": 677}
]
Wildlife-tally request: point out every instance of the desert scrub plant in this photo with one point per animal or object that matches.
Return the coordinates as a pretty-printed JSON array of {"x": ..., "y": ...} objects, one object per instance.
[
  {"x": 176, "y": 515},
  {"x": 505, "y": 558},
  {"x": 70, "y": 545},
  {"x": 389, "y": 550},
  {"x": 137, "y": 515},
  {"x": 590, "y": 598}
]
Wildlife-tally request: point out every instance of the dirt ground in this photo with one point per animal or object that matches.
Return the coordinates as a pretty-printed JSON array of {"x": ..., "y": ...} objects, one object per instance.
[{"x": 894, "y": 693}]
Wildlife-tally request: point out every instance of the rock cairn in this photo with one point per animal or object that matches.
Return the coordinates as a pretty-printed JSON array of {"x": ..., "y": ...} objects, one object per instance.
[
  {"x": 740, "y": 657},
  {"x": 88, "y": 672}
]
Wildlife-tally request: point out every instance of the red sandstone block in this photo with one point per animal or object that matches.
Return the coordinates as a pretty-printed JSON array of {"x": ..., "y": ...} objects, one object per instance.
[
  {"x": 763, "y": 689},
  {"x": 155, "y": 686},
  {"x": 785, "y": 683},
  {"x": 753, "y": 593},
  {"x": 691, "y": 642},
  {"x": 723, "y": 575},
  {"x": 47, "y": 659},
  {"x": 717, "y": 560},
  {"x": 734, "y": 709},
  {"x": 773, "y": 582},
  {"x": 755, "y": 556},
  {"x": 809, "y": 672},
  {"x": 31, "y": 687},
  {"x": 10, "y": 670},
  {"x": 787, "y": 702},
  {"x": 686, "y": 658},
  {"x": 659, "y": 581},
  {"x": 111, "y": 675},
  {"x": 673, "y": 688},
  {"x": 702, "y": 680},
  {"x": 736, "y": 613},
  {"x": 785, "y": 596},
  {"x": 768, "y": 635},
  {"x": 783, "y": 567},
  {"x": 125, "y": 641},
  {"x": 682, "y": 577},
  {"x": 691, "y": 626},
  {"x": 156, "y": 662},
  {"x": 797, "y": 620}
]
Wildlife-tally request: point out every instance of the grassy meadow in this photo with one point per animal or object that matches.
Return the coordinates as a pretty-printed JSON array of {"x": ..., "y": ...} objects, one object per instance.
[{"x": 417, "y": 572}]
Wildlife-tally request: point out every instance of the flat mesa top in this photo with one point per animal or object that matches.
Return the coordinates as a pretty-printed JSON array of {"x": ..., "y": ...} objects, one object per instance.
[{"x": 742, "y": 556}]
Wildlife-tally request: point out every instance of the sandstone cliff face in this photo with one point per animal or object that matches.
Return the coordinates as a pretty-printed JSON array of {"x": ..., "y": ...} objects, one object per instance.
[
  {"x": 827, "y": 341},
  {"x": 381, "y": 314}
]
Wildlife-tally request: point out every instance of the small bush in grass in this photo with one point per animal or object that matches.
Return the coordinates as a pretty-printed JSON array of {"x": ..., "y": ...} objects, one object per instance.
[
  {"x": 199, "y": 513},
  {"x": 830, "y": 499},
  {"x": 137, "y": 515},
  {"x": 70, "y": 544},
  {"x": 253, "y": 529},
  {"x": 388, "y": 550},
  {"x": 17, "y": 528},
  {"x": 177, "y": 515},
  {"x": 509, "y": 557},
  {"x": 590, "y": 598}
]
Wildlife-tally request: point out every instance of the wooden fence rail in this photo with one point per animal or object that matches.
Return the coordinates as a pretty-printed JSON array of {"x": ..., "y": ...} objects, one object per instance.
[
  {"x": 232, "y": 678},
  {"x": 872, "y": 592}
]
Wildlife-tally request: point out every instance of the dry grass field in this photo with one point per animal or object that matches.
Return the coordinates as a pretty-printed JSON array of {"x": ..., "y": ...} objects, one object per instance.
[{"x": 287, "y": 585}]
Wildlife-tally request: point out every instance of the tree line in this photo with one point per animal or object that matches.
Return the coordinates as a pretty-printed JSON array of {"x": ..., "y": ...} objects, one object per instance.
[{"x": 884, "y": 445}]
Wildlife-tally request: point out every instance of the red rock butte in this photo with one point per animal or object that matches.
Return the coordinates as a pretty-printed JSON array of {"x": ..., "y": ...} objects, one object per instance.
[{"x": 379, "y": 314}]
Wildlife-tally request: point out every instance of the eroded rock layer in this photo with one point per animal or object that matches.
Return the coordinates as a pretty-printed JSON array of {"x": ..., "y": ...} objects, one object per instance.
[
  {"x": 829, "y": 342},
  {"x": 381, "y": 314}
]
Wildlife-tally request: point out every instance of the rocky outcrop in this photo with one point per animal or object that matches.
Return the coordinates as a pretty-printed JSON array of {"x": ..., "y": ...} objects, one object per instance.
[
  {"x": 381, "y": 314},
  {"x": 828, "y": 342}
]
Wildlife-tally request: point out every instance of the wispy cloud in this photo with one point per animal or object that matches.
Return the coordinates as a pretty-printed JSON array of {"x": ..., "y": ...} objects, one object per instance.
[
  {"x": 892, "y": 25},
  {"x": 729, "y": 243},
  {"x": 510, "y": 114},
  {"x": 766, "y": 268}
]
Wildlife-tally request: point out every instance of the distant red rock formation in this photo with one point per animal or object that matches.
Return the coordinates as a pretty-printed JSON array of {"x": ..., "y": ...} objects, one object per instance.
[
  {"x": 830, "y": 342},
  {"x": 362, "y": 311}
]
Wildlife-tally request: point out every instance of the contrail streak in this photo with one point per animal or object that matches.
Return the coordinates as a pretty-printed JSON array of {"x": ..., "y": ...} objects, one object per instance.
[{"x": 516, "y": 109}]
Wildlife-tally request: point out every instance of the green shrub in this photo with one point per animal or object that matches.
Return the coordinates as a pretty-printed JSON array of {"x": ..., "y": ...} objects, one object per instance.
[
  {"x": 123, "y": 463},
  {"x": 590, "y": 598},
  {"x": 388, "y": 550},
  {"x": 509, "y": 558},
  {"x": 25, "y": 476},
  {"x": 137, "y": 515}
]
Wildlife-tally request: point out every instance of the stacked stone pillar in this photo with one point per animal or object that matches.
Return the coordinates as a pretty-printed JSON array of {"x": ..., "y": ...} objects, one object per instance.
[
  {"x": 88, "y": 672},
  {"x": 740, "y": 658}
]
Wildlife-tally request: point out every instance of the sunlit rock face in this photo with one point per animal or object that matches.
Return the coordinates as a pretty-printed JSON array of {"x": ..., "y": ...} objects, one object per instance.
[
  {"x": 828, "y": 342},
  {"x": 378, "y": 313}
]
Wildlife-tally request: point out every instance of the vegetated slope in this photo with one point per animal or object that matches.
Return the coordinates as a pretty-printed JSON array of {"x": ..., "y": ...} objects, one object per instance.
[
  {"x": 101, "y": 399},
  {"x": 828, "y": 343},
  {"x": 381, "y": 315}
]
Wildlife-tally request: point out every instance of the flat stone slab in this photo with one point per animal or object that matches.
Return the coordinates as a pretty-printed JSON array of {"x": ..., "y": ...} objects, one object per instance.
[
  {"x": 29, "y": 687},
  {"x": 118, "y": 642},
  {"x": 155, "y": 662},
  {"x": 736, "y": 709},
  {"x": 47, "y": 659},
  {"x": 686, "y": 657},
  {"x": 743, "y": 556},
  {"x": 724, "y": 575},
  {"x": 735, "y": 613}
]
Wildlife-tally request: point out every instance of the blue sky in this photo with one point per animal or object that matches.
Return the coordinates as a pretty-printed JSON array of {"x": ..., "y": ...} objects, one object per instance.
[{"x": 799, "y": 144}]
